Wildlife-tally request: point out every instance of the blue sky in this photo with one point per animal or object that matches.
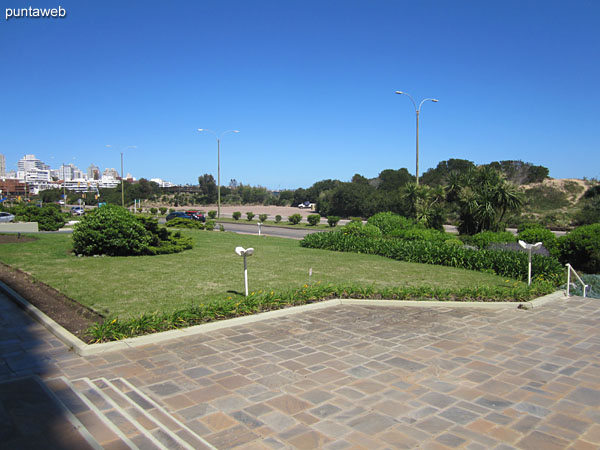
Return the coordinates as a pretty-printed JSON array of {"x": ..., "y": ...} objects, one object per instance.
[{"x": 309, "y": 84}]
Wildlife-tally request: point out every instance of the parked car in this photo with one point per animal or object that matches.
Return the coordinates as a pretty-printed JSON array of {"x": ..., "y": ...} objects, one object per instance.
[
  {"x": 197, "y": 215},
  {"x": 306, "y": 205},
  {"x": 77, "y": 210},
  {"x": 6, "y": 217},
  {"x": 183, "y": 215}
]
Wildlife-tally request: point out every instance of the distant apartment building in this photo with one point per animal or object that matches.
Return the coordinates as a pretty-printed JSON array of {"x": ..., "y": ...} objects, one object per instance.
[
  {"x": 111, "y": 173},
  {"x": 93, "y": 172},
  {"x": 11, "y": 188},
  {"x": 2, "y": 166},
  {"x": 30, "y": 162},
  {"x": 162, "y": 183}
]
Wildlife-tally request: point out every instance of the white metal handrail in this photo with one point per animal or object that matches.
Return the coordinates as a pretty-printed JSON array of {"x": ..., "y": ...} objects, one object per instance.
[{"x": 569, "y": 270}]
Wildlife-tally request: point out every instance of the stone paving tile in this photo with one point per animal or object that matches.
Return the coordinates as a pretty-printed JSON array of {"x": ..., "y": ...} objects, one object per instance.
[{"x": 360, "y": 377}]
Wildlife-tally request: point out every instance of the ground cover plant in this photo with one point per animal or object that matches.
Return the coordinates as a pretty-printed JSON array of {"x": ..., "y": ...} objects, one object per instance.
[
  {"x": 504, "y": 263},
  {"x": 114, "y": 328},
  {"x": 49, "y": 217},
  {"x": 130, "y": 286}
]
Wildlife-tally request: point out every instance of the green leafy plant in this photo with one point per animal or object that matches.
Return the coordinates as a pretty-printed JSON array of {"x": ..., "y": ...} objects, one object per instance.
[
  {"x": 262, "y": 217},
  {"x": 295, "y": 219},
  {"x": 236, "y": 215},
  {"x": 256, "y": 302},
  {"x": 532, "y": 235},
  {"x": 581, "y": 248},
  {"x": 163, "y": 210},
  {"x": 278, "y": 218},
  {"x": 388, "y": 222},
  {"x": 504, "y": 263},
  {"x": 250, "y": 215},
  {"x": 333, "y": 221},
  {"x": 313, "y": 219},
  {"x": 48, "y": 217},
  {"x": 212, "y": 214},
  {"x": 153, "y": 210}
]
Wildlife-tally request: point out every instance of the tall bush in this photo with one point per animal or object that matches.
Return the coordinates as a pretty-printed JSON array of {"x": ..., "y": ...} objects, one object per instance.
[
  {"x": 388, "y": 221},
  {"x": 110, "y": 230},
  {"x": 236, "y": 215},
  {"x": 313, "y": 219},
  {"x": 581, "y": 248},
  {"x": 262, "y": 217},
  {"x": 250, "y": 215},
  {"x": 295, "y": 219},
  {"x": 333, "y": 220}
]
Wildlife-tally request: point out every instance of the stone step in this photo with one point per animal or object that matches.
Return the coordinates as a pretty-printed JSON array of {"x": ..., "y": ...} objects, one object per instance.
[{"x": 119, "y": 416}]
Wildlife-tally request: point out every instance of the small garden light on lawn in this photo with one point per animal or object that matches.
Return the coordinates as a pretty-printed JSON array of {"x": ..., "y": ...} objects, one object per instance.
[
  {"x": 529, "y": 248},
  {"x": 259, "y": 224},
  {"x": 241, "y": 251}
]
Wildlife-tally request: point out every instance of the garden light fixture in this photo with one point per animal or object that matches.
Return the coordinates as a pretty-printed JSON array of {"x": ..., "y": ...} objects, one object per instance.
[
  {"x": 529, "y": 248},
  {"x": 241, "y": 251}
]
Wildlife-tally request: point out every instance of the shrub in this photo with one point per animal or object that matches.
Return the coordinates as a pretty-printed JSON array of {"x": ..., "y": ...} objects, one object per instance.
[
  {"x": 171, "y": 210},
  {"x": 277, "y": 218},
  {"x": 295, "y": 219},
  {"x": 358, "y": 229},
  {"x": 236, "y": 215},
  {"x": 419, "y": 234},
  {"x": 153, "y": 211},
  {"x": 485, "y": 238},
  {"x": 48, "y": 217},
  {"x": 250, "y": 215},
  {"x": 314, "y": 219},
  {"x": 110, "y": 230},
  {"x": 262, "y": 217},
  {"x": 506, "y": 264},
  {"x": 212, "y": 214},
  {"x": 388, "y": 222},
  {"x": 581, "y": 248},
  {"x": 531, "y": 235},
  {"x": 355, "y": 219},
  {"x": 210, "y": 225},
  {"x": 333, "y": 221},
  {"x": 163, "y": 210},
  {"x": 180, "y": 222}
]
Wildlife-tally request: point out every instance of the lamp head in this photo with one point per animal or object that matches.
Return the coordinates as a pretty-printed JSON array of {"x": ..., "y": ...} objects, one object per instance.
[
  {"x": 399, "y": 92},
  {"x": 435, "y": 100}
]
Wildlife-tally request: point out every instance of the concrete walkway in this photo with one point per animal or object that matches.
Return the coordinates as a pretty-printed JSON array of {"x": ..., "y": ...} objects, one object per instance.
[{"x": 359, "y": 377}]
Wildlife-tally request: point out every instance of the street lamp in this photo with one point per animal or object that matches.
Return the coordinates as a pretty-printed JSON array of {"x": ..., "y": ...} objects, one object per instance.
[
  {"x": 122, "y": 176},
  {"x": 241, "y": 251},
  {"x": 529, "y": 248},
  {"x": 418, "y": 111},
  {"x": 218, "y": 136}
]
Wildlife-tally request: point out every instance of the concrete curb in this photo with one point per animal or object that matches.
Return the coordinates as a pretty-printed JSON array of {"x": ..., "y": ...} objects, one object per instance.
[{"x": 83, "y": 349}]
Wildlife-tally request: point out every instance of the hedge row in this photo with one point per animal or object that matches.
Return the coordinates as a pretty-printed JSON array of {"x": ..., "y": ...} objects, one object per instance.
[{"x": 505, "y": 263}]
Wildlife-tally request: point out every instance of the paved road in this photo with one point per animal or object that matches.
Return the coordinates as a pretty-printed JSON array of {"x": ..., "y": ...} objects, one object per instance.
[{"x": 246, "y": 228}]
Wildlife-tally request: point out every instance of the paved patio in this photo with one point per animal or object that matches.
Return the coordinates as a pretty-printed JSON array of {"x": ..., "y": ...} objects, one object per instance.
[{"x": 360, "y": 377}]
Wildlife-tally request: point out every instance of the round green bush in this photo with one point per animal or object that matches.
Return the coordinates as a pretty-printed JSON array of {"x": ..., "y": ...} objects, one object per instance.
[
  {"x": 313, "y": 219},
  {"x": 358, "y": 229},
  {"x": 250, "y": 215},
  {"x": 388, "y": 221},
  {"x": 49, "y": 217},
  {"x": 262, "y": 217},
  {"x": 295, "y": 219},
  {"x": 110, "y": 230},
  {"x": 419, "y": 234},
  {"x": 581, "y": 248},
  {"x": 531, "y": 235},
  {"x": 212, "y": 214},
  {"x": 333, "y": 220},
  {"x": 236, "y": 215},
  {"x": 277, "y": 218}
]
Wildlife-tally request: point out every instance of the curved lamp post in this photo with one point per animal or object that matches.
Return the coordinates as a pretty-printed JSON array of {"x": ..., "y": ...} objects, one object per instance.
[
  {"x": 529, "y": 248},
  {"x": 218, "y": 136},
  {"x": 418, "y": 111},
  {"x": 241, "y": 251}
]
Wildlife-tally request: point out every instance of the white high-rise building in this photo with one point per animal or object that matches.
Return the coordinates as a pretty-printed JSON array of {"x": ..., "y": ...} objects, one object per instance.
[
  {"x": 2, "y": 165},
  {"x": 31, "y": 162}
]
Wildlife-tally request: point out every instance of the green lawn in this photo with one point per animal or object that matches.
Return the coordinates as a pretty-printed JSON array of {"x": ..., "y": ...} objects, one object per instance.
[{"x": 133, "y": 285}]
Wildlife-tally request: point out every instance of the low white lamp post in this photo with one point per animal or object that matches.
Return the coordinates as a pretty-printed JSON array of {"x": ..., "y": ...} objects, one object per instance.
[
  {"x": 241, "y": 251},
  {"x": 529, "y": 248},
  {"x": 259, "y": 224}
]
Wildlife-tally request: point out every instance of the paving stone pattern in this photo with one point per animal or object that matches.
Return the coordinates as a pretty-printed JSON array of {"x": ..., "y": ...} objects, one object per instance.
[{"x": 360, "y": 377}]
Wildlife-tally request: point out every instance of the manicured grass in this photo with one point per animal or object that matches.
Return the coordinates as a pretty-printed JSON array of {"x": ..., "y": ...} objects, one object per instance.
[{"x": 130, "y": 286}]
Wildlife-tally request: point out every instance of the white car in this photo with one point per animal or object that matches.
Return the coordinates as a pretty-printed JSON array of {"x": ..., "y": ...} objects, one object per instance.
[
  {"x": 77, "y": 210},
  {"x": 6, "y": 217}
]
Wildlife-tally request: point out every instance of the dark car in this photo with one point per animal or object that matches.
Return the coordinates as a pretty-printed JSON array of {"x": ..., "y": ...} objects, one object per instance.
[
  {"x": 197, "y": 215},
  {"x": 184, "y": 215}
]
